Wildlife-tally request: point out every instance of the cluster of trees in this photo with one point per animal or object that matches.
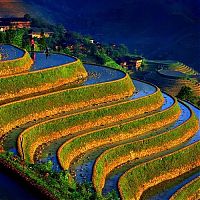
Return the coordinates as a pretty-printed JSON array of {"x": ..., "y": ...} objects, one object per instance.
[
  {"x": 186, "y": 93},
  {"x": 88, "y": 50},
  {"x": 65, "y": 41},
  {"x": 76, "y": 44},
  {"x": 18, "y": 37}
]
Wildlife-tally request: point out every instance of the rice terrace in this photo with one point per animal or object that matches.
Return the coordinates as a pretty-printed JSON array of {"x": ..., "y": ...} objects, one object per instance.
[{"x": 70, "y": 130}]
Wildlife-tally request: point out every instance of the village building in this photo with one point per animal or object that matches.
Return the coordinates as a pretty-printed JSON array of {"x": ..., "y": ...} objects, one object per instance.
[
  {"x": 39, "y": 33},
  {"x": 4, "y": 26},
  {"x": 14, "y": 23},
  {"x": 130, "y": 62}
]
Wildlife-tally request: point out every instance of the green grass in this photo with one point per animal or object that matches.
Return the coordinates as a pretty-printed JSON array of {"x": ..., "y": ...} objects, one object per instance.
[
  {"x": 9, "y": 66},
  {"x": 64, "y": 73},
  {"x": 37, "y": 133},
  {"x": 112, "y": 64},
  {"x": 110, "y": 156},
  {"x": 32, "y": 108},
  {"x": 136, "y": 177},
  {"x": 108, "y": 134},
  {"x": 188, "y": 190}
]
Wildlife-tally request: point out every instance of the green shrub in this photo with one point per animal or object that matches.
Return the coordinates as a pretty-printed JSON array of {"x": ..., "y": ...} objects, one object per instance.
[{"x": 58, "y": 184}]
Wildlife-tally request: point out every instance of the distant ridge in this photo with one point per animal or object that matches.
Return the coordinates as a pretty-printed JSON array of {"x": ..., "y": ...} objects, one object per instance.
[
  {"x": 12, "y": 8},
  {"x": 167, "y": 29}
]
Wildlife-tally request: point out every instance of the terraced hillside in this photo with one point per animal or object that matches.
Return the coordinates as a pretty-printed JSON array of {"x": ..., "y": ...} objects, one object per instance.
[
  {"x": 170, "y": 65},
  {"x": 171, "y": 76},
  {"x": 97, "y": 123},
  {"x": 173, "y": 81}
]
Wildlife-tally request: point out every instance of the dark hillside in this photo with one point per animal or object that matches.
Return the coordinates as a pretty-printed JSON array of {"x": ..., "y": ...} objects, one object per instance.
[{"x": 167, "y": 29}]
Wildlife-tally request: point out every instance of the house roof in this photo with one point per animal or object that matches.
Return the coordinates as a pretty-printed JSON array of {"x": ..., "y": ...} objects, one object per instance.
[
  {"x": 38, "y": 30},
  {"x": 8, "y": 21},
  {"x": 14, "y": 19},
  {"x": 128, "y": 58},
  {"x": 4, "y": 23}
]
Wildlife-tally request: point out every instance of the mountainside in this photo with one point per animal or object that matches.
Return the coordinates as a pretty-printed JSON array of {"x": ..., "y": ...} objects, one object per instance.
[
  {"x": 12, "y": 8},
  {"x": 165, "y": 29}
]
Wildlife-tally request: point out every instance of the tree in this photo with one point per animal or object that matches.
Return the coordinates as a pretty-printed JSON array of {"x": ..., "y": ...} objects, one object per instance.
[
  {"x": 25, "y": 40},
  {"x": 123, "y": 50},
  {"x": 14, "y": 37},
  {"x": 2, "y": 37},
  {"x": 67, "y": 51},
  {"x": 101, "y": 57},
  {"x": 185, "y": 93},
  {"x": 42, "y": 40},
  {"x": 27, "y": 16},
  {"x": 93, "y": 49}
]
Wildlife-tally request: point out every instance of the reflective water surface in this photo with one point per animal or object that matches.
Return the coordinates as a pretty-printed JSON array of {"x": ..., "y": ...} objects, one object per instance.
[
  {"x": 112, "y": 179},
  {"x": 9, "y": 52},
  {"x": 43, "y": 61},
  {"x": 166, "y": 193}
]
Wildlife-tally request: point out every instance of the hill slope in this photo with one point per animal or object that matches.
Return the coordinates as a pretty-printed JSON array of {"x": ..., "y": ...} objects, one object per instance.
[{"x": 158, "y": 29}]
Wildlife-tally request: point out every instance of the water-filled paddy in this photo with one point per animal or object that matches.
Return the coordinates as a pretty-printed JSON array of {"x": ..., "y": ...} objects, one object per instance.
[
  {"x": 141, "y": 88},
  {"x": 173, "y": 74},
  {"x": 83, "y": 167},
  {"x": 97, "y": 74},
  {"x": 111, "y": 182},
  {"x": 9, "y": 52},
  {"x": 197, "y": 135},
  {"x": 165, "y": 190},
  {"x": 42, "y": 61}
]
